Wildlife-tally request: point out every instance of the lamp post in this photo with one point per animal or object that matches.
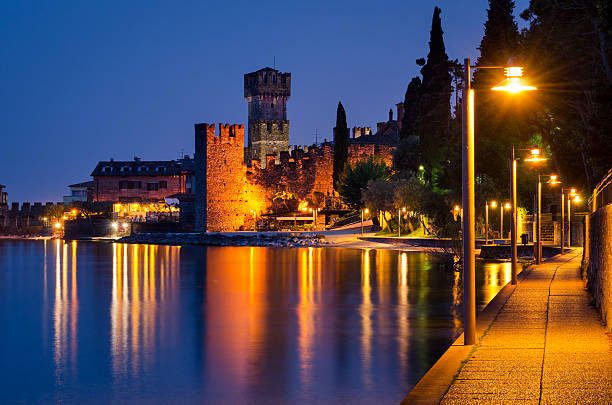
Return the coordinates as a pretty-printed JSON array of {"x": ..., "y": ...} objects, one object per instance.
[
  {"x": 486, "y": 222},
  {"x": 572, "y": 194},
  {"x": 399, "y": 221},
  {"x": 553, "y": 181},
  {"x": 362, "y": 212},
  {"x": 501, "y": 227},
  {"x": 513, "y": 84}
]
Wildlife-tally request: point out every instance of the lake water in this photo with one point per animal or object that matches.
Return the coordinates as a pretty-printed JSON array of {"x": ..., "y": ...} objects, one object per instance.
[{"x": 111, "y": 323}]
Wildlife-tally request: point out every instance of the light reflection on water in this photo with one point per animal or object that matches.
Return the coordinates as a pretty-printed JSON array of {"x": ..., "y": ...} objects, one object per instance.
[{"x": 162, "y": 324}]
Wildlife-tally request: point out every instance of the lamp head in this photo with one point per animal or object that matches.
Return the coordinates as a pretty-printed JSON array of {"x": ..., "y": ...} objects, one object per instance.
[
  {"x": 457, "y": 208},
  {"x": 535, "y": 155},
  {"x": 553, "y": 179},
  {"x": 514, "y": 82},
  {"x": 403, "y": 209},
  {"x": 366, "y": 211},
  {"x": 507, "y": 206},
  {"x": 493, "y": 204}
]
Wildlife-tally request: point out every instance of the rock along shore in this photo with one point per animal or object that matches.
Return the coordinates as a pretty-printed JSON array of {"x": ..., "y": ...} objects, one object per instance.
[{"x": 280, "y": 239}]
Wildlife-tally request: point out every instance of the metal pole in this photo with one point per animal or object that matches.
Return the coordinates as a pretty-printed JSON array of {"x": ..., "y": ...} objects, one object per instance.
[
  {"x": 501, "y": 225},
  {"x": 486, "y": 223},
  {"x": 513, "y": 221},
  {"x": 399, "y": 223},
  {"x": 562, "y": 219},
  {"x": 538, "y": 226},
  {"x": 362, "y": 223},
  {"x": 569, "y": 222},
  {"x": 469, "y": 270}
]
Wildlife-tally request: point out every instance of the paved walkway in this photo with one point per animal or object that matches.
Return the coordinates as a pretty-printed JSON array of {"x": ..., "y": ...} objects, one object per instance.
[{"x": 547, "y": 345}]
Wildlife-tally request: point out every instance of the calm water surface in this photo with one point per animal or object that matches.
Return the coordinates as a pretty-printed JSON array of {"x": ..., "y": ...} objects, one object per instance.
[{"x": 112, "y": 323}]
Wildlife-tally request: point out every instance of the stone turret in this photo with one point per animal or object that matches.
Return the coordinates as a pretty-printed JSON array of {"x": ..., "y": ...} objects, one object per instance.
[{"x": 266, "y": 92}]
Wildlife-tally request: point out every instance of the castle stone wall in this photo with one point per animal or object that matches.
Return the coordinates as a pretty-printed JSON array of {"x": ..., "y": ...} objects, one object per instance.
[
  {"x": 220, "y": 178},
  {"x": 267, "y": 138}
]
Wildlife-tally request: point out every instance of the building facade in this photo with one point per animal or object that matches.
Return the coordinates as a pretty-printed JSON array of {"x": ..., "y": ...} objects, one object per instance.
[{"x": 139, "y": 181}]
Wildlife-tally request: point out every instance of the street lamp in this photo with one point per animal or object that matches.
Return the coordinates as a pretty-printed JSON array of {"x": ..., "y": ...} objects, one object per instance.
[
  {"x": 513, "y": 84},
  {"x": 573, "y": 195},
  {"x": 501, "y": 225},
  {"x": 493, "y": 205},
  {"x": 534, "y": 157},
  {"x": 365, "y": 210},
  {"x": 399, "y": 221},
  {"x": 553, "y": 182}
]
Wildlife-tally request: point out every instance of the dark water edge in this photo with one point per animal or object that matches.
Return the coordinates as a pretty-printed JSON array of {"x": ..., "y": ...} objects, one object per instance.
[{"x": 91, "y": 322}]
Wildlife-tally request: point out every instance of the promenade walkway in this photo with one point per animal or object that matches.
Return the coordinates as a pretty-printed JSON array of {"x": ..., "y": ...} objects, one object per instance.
[
  {"x": 540, "y": 342},
  {"x": 547, "y": 345}
]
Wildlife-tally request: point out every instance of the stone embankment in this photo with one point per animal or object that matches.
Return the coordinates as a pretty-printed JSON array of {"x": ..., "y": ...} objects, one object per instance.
[{"x": 280, "y": 239}]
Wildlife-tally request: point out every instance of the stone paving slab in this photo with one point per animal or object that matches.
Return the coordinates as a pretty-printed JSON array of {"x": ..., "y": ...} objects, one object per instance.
[{"x": 547, "y": 345}]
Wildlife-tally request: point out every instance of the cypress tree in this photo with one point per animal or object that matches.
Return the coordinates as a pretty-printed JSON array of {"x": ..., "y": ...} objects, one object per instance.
[
  {"x": 411, "y": 107},
  {"x": 432, "y": 124},
  {"x": 500, "y": 118},
  {"x": 341, "y": 140}
]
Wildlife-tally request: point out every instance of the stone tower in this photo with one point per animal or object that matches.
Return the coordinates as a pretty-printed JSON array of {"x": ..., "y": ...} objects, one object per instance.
[{"x": 267, "y": 91}]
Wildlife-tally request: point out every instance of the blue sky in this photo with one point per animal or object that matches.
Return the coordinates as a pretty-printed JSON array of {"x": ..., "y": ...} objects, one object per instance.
[{"x": 84, "y": 81}]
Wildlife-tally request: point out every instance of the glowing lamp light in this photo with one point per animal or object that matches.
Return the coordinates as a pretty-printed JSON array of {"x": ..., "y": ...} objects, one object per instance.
[
  {"x": 514, "y": 82},
  {"x": 573, "y": 192},
  {"x": 124, "y": 225},
  {"x": 45, "y": 219},
  {"x": 535, "y": 155},
  {"x": 366, "y": 211},
  {"x": 457, "y": 208},
  {"x": 115, "y": 225},
  {"x": 493, "y": 204},
  {"x": 507, "y": 206},
  {"x": 58, "y": 225},
  {"x": 577, "y": 198},
  {"x": 421, "y": 168},
  {"x": 403, "y": 209}
]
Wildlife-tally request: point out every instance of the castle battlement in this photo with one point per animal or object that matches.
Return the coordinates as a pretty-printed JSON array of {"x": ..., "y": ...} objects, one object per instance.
[
  {"x": 228, "y": 134},
  {"x": 270, "y": 127},
  {"x": 267, "y": 82},
  {"x": 361, "y": 131}
]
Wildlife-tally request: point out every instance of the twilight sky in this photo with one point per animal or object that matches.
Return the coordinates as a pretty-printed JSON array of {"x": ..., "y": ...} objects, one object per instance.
[{"x": 84, "y": 81}]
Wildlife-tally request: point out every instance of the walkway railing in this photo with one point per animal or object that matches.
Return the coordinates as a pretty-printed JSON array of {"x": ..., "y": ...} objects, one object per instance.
[{"x": 602, "y": 194}]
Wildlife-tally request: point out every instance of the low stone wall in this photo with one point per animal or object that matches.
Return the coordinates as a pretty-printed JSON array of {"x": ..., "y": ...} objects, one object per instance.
[{"x": 599, "y": 271}]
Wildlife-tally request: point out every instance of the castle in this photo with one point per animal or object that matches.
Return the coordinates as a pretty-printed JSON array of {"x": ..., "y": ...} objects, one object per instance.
[{"x": 235, "y": 183}]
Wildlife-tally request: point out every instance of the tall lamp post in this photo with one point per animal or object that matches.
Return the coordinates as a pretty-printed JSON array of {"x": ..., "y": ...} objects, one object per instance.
[
  {"x": 513, "y": 84},
  {"x": 365, "y": 210},
  {"x": 553, "y": 181},
  {"x": 573, "y": 195},
  {"x": 399, "y": 221},
  {"x": 534, "y": 157},
  {"x": 501, "y": 226}
]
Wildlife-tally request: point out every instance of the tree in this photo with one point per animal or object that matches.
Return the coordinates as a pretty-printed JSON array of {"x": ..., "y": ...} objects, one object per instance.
[
  {"x": 432, "y": 125},
  {"x": 356, "y": 177},
  {"x": 341, "y": 140},
  {"x": 500, "y": 119},
  {"x": 569, "y": 45}
]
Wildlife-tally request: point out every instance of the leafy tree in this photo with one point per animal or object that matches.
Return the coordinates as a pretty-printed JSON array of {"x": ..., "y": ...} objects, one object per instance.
[
  {"x": 356, "y": 177},
  {"x": 569, "y": 45},
  {"x": 341, "y": 140},
  {"x": 406, "y": 155}
]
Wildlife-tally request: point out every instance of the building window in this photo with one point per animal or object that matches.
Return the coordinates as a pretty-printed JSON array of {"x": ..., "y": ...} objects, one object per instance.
[
  {"x": 163, "y": 184},
  {"x": 125, "y": 169},
  {"x": 123, "y": 185},
  {"x": 106, "y": 169},
  {"x": 152, "y": 186}
]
